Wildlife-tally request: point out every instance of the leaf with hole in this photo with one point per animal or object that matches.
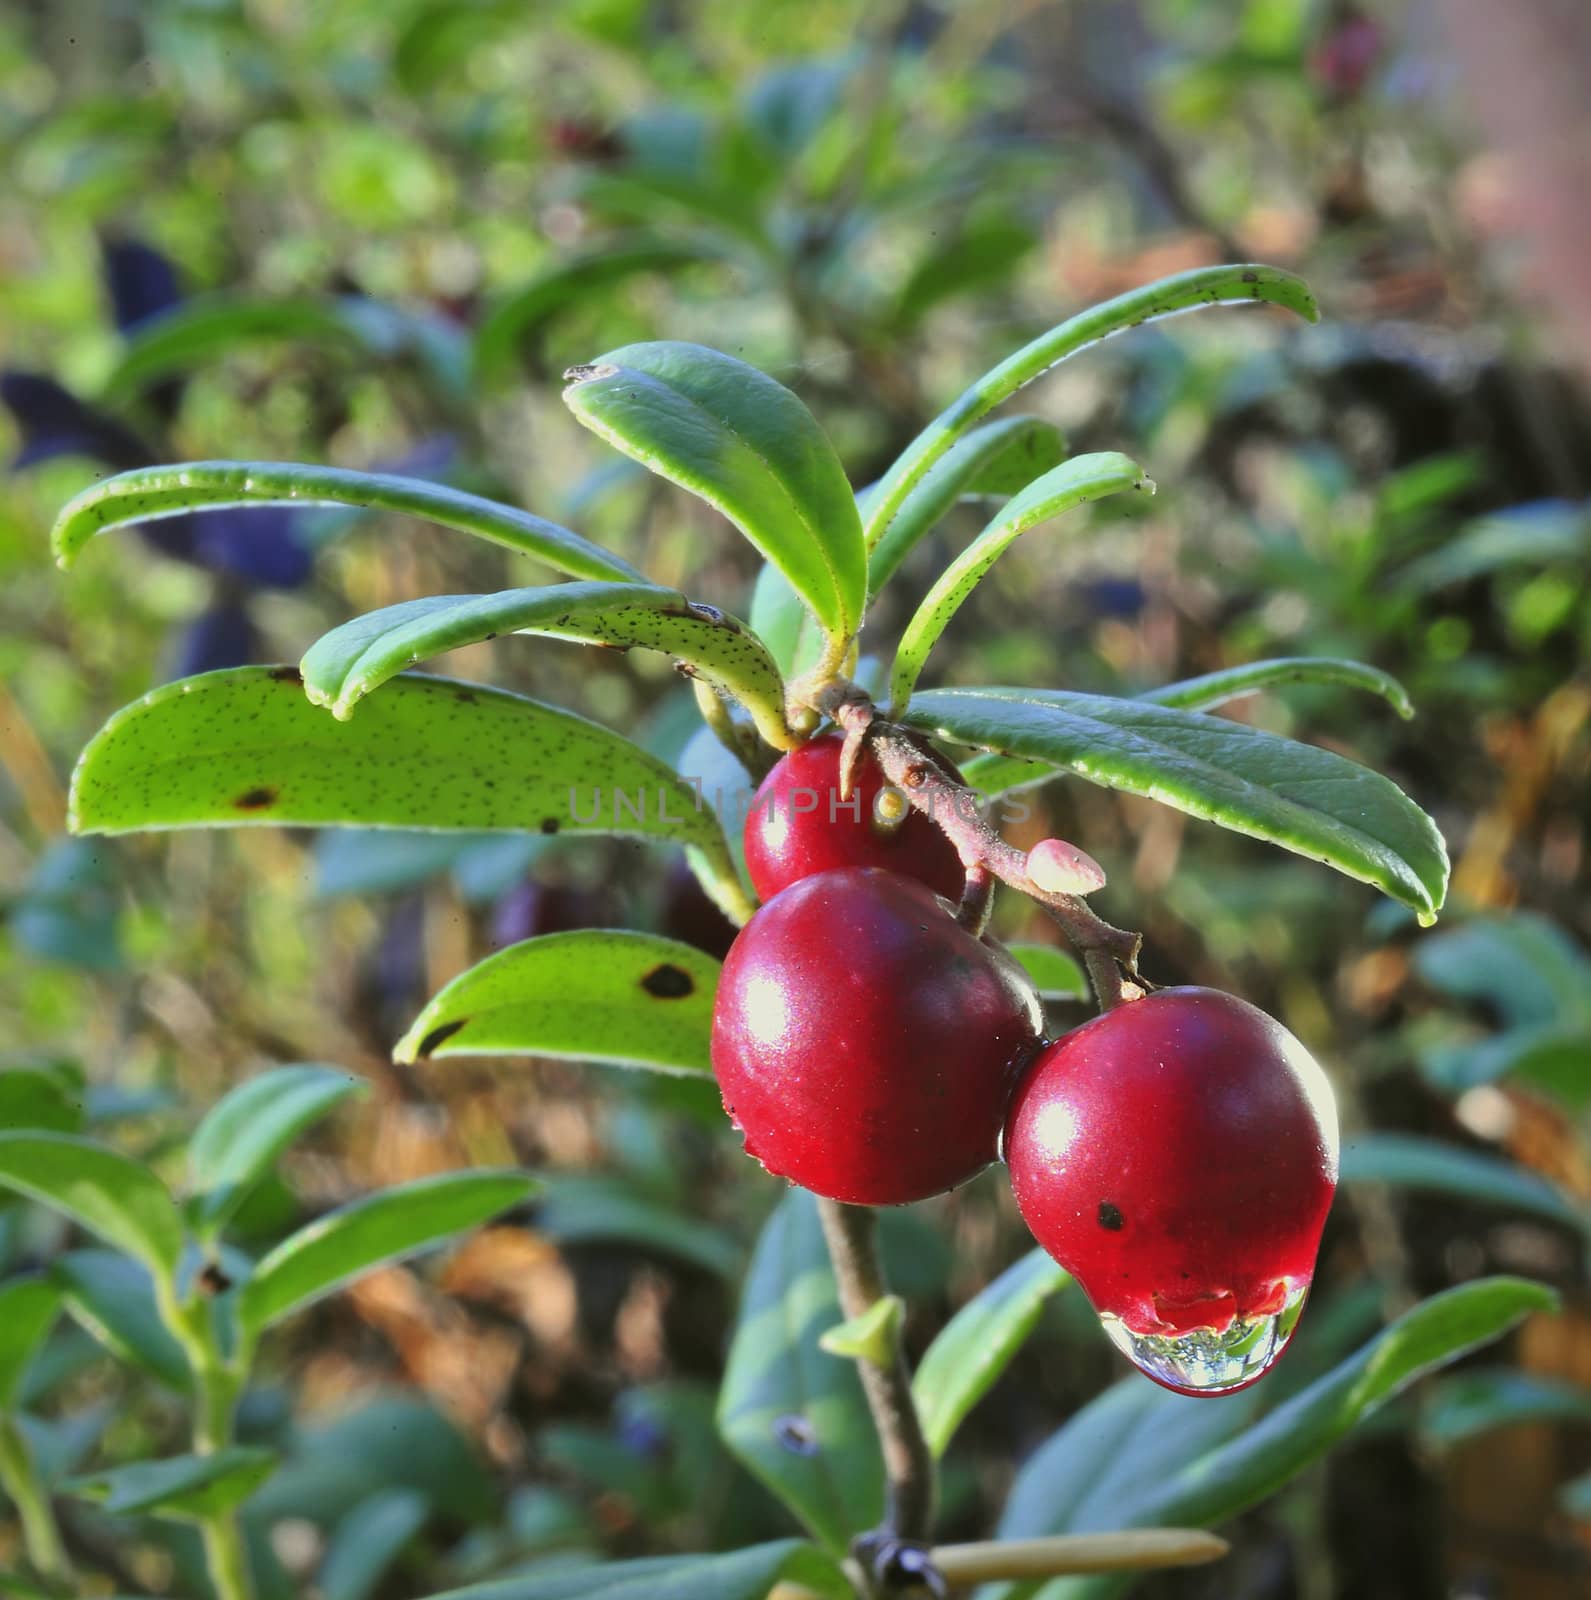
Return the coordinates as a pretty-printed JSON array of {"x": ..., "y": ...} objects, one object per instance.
[
  {"x": 1299, "y": 796},
  {"x": 241, "y": 1137},
  {"x": 148, "y": 493},
  {"x": 1061, "y": 489},
  {"x": 348, "y": 1242},
  {"x": 592, "y": 994},
  {"x": 747, "y": 446},
  {"x": 348, "y": 663},
  {"x": 792, "y": 1414},
  {"x": 101, "y": 1190}
]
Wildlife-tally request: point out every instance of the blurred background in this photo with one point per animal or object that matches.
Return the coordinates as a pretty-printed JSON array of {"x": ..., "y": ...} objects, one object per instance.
[{"x": 376, "y": 234}]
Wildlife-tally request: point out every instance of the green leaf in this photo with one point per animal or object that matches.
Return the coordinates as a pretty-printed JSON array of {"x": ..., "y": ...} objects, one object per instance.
[
  {"x": 593, "y": 994},
  {"x": 1476, "y": 1402},
  {"x": 186, "y": 1487},
  {"x": 979, "y": 257},
  {"x": 1408, "y": 1161},
  {"x": 747, "y": 446},
  {"x": 589, "y": 1208},
  {"x": 509, "y": 324},
  {"x": 113, "y": 1297},
  {"x": 244, "y": 746},
  {"x": 980, "y": 1342},
  {"x": 1231, "y": 683},
  {"x": 1187, "y": 291},
  {"x": 1548, "y": 1057},
  {"x": 320, "y": 1258},
  {"x": 783, "y": 623},
  {"x": 1525, "y": 967},
  {"x": 239, "y": 1140},
  {"x": 1062, "y": 488},
  {"x": 40, "y": 1097},
  {"x": 1303, "y": 798},
  {"x": 870, "y": 1337},
  {"x": 213, "y": 326},
  {"x": 349, "y": 662},
  {"x": 790, "y": 1412},
  {"x": 1055, "y": 974},
  {"x": 1140, "y": 1457},
  {"x": 1575, "y": 1497},
  {"x": 367, "y": 1542},
  {"x": 100, "y": 1190},
  {"x": 150, "y": 492},
  {"x": 28, "y": 1309},
  {"x": 995, "y": 460},
  {"x": 993, "y": 776},
  {"x": 749, "y": 1574}
]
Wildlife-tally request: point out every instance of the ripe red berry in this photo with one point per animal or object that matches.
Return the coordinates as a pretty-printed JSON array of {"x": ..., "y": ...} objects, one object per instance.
[
  {"x": 798, "y": 825},
  {"x": 1178, "y": 1156},
  {"x": 865, "y": 1042}
]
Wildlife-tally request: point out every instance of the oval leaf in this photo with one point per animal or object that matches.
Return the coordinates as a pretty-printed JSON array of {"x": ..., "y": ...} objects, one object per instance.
[
  {"x": 593, "y": 994},
  {"x": 1231, "y": 683},
  {"x": 1186, "y": 291},
  {"x": 347, "y": 663},
  {"x": 330, "y": 1251},
  {"x": 996, "y": 460},
  {"x": 100, "y": 1190},
  {"x": 1298, "y": 796},
  {"x": 746, "y": 445},
  {"x": 979, "y": 1343},
  {"x": 185, "y": 1487},
  {"x": 114, "y": 1299},
  {"x": 794, "y": 1415},
  {"x": 28, "y": 1309},
  {"x": 1071, "y": 484},
  {"x": 239, "y": 1140},
  {"x": 147, "y": 493},
  {"x": 244, "y": 746}
]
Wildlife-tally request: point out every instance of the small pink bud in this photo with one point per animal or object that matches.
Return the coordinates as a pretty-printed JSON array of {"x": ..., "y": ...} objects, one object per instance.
[{"x": 1062, "y": 868}]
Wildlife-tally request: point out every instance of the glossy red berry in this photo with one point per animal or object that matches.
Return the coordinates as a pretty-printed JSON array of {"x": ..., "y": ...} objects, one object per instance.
[
  {"x": 1178, "y": 1156},
  {"x": 799, "y": 825},
  {"x": 866, "y": 1043}
]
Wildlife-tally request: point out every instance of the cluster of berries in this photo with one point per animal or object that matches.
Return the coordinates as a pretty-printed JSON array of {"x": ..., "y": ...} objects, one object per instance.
[{"x": 1177, "y": 1154}]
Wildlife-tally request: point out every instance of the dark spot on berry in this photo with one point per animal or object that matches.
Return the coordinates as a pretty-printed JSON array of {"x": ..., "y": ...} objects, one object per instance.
[
  {"x": 667, "y": 982},
  {"x": 1110, "y": 1216},
  {"x": 794, "y": 1432},
  {"x": 439, "y": 1036},
  {"x": 549, "y": 824},
  {"x": 286, "y": 675},
  {"x": 255, "y": 799}
]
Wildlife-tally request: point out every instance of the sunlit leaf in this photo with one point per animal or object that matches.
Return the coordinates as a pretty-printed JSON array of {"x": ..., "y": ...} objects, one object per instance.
[
  {"x": 1071, "y": 484},
  {"x": 1055, "y": 974},
  {"x": 186, "y": 1487},
  {"x": 349, "y": 662},
  {"x": 1231, "y": 683},
  {"x": 344, "y": 1244},
  {"x": 747, "y": 446},
  {"x": 1299, "y": 796},
  {"x": 148, "y": 493},
  {"x": 591, "y": 994}
]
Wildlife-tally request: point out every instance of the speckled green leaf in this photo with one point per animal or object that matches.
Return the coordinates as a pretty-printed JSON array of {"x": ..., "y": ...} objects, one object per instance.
[
  {"x": 100, "y": 1189},
  {"x": 980, "y": 1342},
  {"x": 746, "y": 445},
  {"x": 28, "y": 1309},
  {"x": 241, "y": 1136},
  {"x": 594, "y": 994},
  {"x": 349, "y": 662},
  {"x": 995, "y": 460},
  {"x": 794, "y": 1415},
  {"x": 1298, "y": 796},
  {"x": 1232, "y": 683},
  {"x": 146, "y": 493},
  {"x": 342, "y": 1245},
  {"x": 244, "y": 746},
  {"x": 185, "y": 1487},
  {"x": 1069, "y": 485},
  {"x": 1238, "y": 284}
]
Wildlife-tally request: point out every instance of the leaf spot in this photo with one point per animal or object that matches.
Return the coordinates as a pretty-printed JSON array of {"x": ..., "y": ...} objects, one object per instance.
[
  {"x": 668, "y": 982},
  {"x": 439, "y": 1036},
  {"x": 549, "y": 824},
  {"x": 286, "y": 675},
  {"x": 255, "y": 799}
]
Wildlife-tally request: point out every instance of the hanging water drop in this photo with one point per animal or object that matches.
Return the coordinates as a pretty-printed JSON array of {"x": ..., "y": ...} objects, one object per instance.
[{"x": 1205, "y": 1361}]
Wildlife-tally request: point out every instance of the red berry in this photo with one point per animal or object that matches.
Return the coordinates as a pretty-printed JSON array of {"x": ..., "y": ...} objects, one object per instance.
[
  {"x": 1178, "y": 1156},
  {"x": 799, "y": 825},
  {"x": 865, "y": 1042}
]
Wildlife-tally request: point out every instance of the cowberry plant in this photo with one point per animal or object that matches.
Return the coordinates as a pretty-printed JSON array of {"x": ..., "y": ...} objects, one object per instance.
[{"x": 1178, "y": 1153}]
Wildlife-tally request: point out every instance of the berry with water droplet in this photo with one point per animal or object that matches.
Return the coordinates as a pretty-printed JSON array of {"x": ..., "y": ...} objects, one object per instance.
[
  {"x": 865, "y": 1042},
  {"x": 1178, "y": 1156},
  {"x": 800, "y": 824}
]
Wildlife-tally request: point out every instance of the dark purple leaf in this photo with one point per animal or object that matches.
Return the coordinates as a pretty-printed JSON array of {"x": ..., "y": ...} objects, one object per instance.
[
  {"x": 259, "y": 544},
  {"x": 141, "y": 282},
  {"x": 223, "y": 636},
  {"x": 54, "y": 422}
]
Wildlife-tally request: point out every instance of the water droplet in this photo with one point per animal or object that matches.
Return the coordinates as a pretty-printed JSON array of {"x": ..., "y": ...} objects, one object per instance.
[{"x": 1205, "y": 1361}]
